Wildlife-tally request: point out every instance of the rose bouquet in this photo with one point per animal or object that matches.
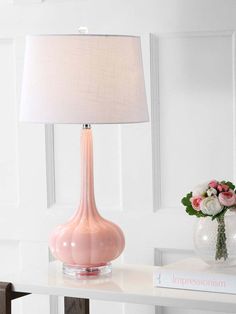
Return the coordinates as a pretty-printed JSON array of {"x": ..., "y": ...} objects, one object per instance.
[{"x": 213, "y": 199}]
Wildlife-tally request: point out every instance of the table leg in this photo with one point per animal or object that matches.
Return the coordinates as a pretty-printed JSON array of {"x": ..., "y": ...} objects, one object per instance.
[
  {"x": 7, "y": 295},
  {"x": 5, "y": 298},
  {"x": 75, "y": 306}
]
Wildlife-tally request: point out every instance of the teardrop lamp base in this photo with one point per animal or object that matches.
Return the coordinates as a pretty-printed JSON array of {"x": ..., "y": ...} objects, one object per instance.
[{"x": 83, "y": 272}]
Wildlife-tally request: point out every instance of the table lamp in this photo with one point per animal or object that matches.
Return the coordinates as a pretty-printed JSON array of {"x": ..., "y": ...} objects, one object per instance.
[{"x": 84, "y": 79}]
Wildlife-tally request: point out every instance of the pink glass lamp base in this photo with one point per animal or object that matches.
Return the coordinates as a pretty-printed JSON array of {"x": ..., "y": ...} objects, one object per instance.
[
  {"x": 81, "y": 272},
  {"x": 87, "y": 243}
]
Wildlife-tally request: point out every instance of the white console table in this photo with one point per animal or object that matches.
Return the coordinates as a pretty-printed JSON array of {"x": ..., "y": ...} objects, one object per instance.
[{"x": 128, "y": 283}]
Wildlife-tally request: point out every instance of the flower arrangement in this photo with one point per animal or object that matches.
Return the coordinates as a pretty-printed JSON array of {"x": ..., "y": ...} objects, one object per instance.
[{"x": 213, "y": 199}]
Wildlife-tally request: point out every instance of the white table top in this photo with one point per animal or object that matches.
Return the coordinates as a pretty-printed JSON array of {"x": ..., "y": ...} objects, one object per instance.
[{"x": 129, "y": 283}]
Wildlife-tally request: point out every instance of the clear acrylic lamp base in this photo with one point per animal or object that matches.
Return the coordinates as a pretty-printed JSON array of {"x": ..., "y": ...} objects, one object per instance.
[{"x": 80, "y": 272}]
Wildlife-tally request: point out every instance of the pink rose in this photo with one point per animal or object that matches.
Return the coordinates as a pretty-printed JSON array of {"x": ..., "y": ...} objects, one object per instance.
[
  {"x": 196, "y": 201},
  {"x": 213, "y": 184},
  {"x": 227, "y": 198},
  {"x": 219, "y": 187}
]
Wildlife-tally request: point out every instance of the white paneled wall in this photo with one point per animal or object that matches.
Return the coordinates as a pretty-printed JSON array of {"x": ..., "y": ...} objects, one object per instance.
[
  {"x": 141, "y": 171},
  {"x": 8, "y": 125},
  {"x": 196, "y": 111}
]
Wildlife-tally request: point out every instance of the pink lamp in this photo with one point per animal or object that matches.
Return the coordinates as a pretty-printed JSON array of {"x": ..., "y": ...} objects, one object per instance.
[{"x": 84, "y": 79}]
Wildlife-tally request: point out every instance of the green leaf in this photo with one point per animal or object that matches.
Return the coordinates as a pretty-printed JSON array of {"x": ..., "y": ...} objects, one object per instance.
[
  {"x": 190, "y": 210},
  {"x": 230, "y": 185},
  {"x": 186, "y": 200}
]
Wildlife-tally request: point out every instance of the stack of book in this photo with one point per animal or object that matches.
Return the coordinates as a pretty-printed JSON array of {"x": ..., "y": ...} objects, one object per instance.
[{"x": 194, "y": 274}]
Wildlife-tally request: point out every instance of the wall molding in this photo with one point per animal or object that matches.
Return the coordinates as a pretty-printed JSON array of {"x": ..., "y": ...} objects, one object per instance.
[
  {"x": 192, "y": 34},
  {"x": 50, "y": 165},
  {"x": 161, "y": 252},
  {"x": 155, "y": 120},
  {"x": 53, "y": 300},
  {"x": 234, "y": 101}
]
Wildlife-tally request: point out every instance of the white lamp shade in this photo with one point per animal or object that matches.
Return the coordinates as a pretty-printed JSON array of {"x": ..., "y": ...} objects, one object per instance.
[{"x": 83, "y": 79}]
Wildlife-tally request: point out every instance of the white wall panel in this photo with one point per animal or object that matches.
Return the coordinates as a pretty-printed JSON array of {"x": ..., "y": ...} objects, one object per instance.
[
  {"x": 137, "y": 254},
  {"x": 36, "y": 304},
  {"x": 9, "y": 254},
  {"x": 67, "y": 164},
  {"x": 136, "y": 168},
  {"x": 167, "y": 256},
  {"x": 2, "y": 2},
  {"x": 107, "y": 163},
  {"x": 196, "y": 112},
  {"x": 34, "y": 255},
  {"x": 105, "y": 307},
  {"x": 8, "y": 125},
  {"x": 10, "y": 261},
  {"x": 139, "y": 309}
]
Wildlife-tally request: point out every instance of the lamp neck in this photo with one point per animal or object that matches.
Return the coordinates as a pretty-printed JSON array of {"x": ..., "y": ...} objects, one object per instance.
[{"x": 87, "y": 202}]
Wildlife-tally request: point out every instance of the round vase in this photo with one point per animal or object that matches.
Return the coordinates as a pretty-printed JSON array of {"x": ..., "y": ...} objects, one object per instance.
[{"x": 215, "y": 240}]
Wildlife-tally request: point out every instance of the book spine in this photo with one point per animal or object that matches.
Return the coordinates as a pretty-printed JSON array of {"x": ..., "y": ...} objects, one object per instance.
[{"x": 195, "y": 281}]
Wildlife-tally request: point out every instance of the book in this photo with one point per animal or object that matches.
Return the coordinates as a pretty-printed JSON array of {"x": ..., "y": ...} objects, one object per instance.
[{"x": 194, "y": 274}]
